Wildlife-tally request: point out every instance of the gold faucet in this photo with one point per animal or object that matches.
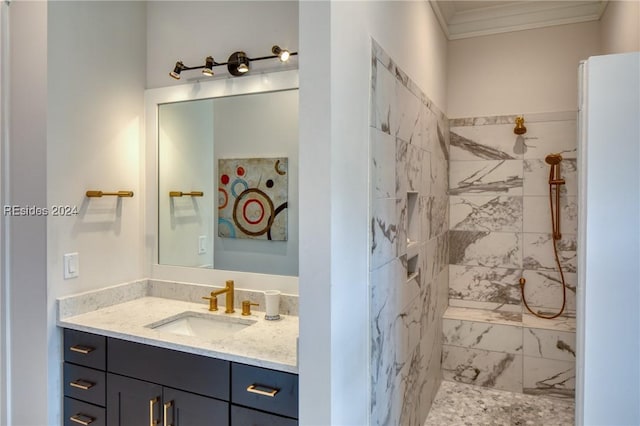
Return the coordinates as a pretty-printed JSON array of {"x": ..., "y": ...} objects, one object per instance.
[
  {"x": 229, "y": 297},
  {"x": 246, "y": 307}
]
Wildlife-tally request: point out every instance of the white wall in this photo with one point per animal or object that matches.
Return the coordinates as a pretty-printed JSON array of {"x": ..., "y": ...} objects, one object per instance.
[
  {"x": 185, "y": 162},
  {"x": 620, "y": 27},
  {"x": 334, "y": 120},
  {"x": 519, "y": 72},
  {"x": 315, "y": 268},
  {"x": 24, "y": 181},
  {"x": 95, "y": 118},
  {"x": 609, "y": 324},
  {"x": 192, "y": 30},
  {"x": 4, "y": 82}
]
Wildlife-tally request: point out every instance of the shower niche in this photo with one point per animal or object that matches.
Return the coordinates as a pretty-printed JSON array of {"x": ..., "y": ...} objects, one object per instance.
[{"x": 413, "y": 235}]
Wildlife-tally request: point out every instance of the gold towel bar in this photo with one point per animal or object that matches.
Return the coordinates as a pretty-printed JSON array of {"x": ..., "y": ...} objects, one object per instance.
[
  {"x": 180, "y": 194},
  {"x": 98, "y": 194}
]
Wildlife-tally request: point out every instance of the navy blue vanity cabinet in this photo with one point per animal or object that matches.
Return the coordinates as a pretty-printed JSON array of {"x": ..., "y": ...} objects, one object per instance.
[
  {"x": 241, "y": 416},
  {"x": 119, "y": 383},
  {"x": 151, "y": 385},
  {"x": 133, "y": 402},
  {"x": 84, "y": 379},
  {"x": 271, "y": 391}
]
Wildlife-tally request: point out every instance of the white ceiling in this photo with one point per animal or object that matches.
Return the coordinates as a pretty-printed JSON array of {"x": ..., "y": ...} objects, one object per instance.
[{"x": 462, "y": 19}]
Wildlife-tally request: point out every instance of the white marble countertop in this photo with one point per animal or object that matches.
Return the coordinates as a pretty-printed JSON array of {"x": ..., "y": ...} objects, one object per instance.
[{"x": 269, "y": 344}]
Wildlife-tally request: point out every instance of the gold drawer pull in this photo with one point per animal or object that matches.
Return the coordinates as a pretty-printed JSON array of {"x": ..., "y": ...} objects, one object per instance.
[
  {"x": 254, "y": 389},
  {"x": 153, "y": 402},
  {"x": 82, "y": 419},
  {"x": 82, "y": 349},
  {"x": 82, "y": 384},
  {"x": 167, "y": 405}
]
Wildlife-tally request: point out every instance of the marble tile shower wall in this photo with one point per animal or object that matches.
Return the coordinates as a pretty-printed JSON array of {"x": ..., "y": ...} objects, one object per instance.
[
  {"x": 501, "y": 231},
  {"x": 499, "y": 213},
  {"x": 409, "y": 145}
]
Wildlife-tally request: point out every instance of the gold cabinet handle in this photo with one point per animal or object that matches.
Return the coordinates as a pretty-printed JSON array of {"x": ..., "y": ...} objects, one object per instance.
[
  {"x": 82, "y": 384},
  {"x": 81, "y": 349},
  {"x": 152, "y": 403},
  {"x": 270, "y": 393},
  {"x": 167, "y": 405},
  {"x": 82, "y": 419},
  {"x": 188, "y": 194},
  {"x": 99, "y": 194}
]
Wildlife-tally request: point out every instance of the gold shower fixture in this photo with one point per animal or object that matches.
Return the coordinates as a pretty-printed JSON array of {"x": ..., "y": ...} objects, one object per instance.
[{"x": 520, "y": 129}]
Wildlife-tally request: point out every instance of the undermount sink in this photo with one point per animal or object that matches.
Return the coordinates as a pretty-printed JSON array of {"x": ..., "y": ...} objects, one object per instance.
[{"x": 205, "y": 326}]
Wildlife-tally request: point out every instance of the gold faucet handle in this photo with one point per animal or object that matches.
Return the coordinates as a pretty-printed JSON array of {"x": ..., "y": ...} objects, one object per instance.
[
  {"x": 246, "y": 307},
  {"x": 213, "y": 303}
]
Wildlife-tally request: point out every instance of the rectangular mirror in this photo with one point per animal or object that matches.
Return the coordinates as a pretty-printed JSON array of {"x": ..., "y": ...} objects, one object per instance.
[{"x": 227, "y": 174}]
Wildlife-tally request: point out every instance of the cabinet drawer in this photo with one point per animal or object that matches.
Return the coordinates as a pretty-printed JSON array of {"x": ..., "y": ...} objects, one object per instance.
[
  {"x": 84, "y": 383},
  {"x": 241, "y": 416},
  {"x": 267, "y": 390},
  {"x": 85, "y": 349},
  {"x": 78, "y": 413},
  {"x": 193, "y": 373}
]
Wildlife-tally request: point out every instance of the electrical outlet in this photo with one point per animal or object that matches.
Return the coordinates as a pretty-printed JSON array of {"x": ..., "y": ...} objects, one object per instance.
[
  {"x": 202, "y": 244},
  {"x": 71, "y": 265}
]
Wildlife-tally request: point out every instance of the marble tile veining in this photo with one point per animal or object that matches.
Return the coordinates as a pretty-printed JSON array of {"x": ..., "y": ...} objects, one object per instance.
[
  {"x": 536, "y": 177},
  {"x": 548, "y": 377},
  {"x": 483, "y": 368},
  {"x": 537, "y": 214},
  {"x": 409, "y": 244},
  {"x": 458, "y": 404},
  {"x": 486, "y": 213},
  {"x": 480, "y": 335},
  {"x": 483, "y": 143},
  {"x": 492, "y": 249},
  {"x": 482, "y": 284},
  {"x": 383, "y": 172},
  {"x": 495, "y": 177},
  {"x": 500, "y": 225},
  {"x": 543, "y": 289},
  {"x": 550, "y": 344},
  {"x": 538, "y": 253}
]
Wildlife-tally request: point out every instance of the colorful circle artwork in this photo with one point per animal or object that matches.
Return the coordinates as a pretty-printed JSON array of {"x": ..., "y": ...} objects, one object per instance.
[
  {"x": 238, "y": 183},
  {"x": 253, "y": 198},
  {"x": 223, "y": 198},
  {"x": 249, "y": 212}
]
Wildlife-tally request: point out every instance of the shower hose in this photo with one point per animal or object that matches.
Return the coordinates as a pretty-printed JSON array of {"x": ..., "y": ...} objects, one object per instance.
[{"x": 555, "y": 225}]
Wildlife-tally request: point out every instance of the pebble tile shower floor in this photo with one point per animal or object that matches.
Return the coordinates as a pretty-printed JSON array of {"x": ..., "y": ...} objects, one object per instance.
[{"x": 458, "y": 404}]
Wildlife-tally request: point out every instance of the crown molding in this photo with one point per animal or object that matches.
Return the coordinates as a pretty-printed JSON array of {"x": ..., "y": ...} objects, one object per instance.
[{"x": 512, "y": 16}]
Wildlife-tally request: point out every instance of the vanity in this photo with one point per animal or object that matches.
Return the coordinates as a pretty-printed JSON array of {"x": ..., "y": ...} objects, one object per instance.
[
  {"x": 136, "y": 360},
  {"x": 221, "y": 202}
]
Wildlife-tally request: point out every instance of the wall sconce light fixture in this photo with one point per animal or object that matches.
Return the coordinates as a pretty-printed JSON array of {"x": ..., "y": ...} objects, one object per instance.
[
  {"x": 282, "y": 54},
  {"x": 238, "y": 63},
  {"x": 208, "y": 66}
]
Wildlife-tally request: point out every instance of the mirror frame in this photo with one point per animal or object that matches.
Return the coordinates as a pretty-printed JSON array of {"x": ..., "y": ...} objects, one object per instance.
[{"x": 250, "y": 84}]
